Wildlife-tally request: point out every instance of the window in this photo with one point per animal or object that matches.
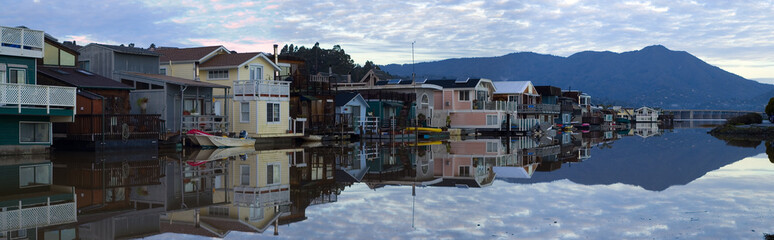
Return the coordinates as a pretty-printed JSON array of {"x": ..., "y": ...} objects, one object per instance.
[
  {"x": 256, "y": 213},
  {"x": 17, "y": 76},
  {"x": 492, "y": 119},
  {"x": 272, "y": 112},
  {"x": 2, "y": 76},
  {"x": 256, "y": 72},
  {"x": 492, "y": 146},
  {"x": 464, "y": 171},
  {"x": 244, "y": 112},
  {"x": 273, "y": 173},
  {"x": 35, "y": 175},
  {"x": 30, "y": 132},
  {"x": 566, "y": 118},
  {"x": 464, "y": 95},
  {"x": 217, "y": 74},
  {"x": 244, "y": 175},
  {"x": 163, "y": 71},
  {"x": 85, "y": 65}
]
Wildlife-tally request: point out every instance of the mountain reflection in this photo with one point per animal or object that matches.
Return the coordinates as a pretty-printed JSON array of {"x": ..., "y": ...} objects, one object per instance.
[{"x": 214, "y": 192}]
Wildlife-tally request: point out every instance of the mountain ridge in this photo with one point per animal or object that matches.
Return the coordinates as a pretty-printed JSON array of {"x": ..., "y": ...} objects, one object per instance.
[{"x": 654, "y": 76}]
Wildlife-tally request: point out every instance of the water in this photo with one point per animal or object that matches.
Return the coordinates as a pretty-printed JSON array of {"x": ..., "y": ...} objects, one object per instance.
[{"x": 677, "y": 184}]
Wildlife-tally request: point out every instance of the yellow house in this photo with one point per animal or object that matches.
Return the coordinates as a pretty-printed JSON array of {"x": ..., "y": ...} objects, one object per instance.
[
  {"x": 258, "y": 189},
  {"x": 261, "y": 104}
]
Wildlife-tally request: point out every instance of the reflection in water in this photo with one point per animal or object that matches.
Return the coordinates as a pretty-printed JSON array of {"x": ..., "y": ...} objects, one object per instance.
[{"x": 568, "y": 184}]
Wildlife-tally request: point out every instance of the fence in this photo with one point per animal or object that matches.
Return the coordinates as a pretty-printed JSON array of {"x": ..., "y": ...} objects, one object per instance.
[
  {"x": 41, "y": 216},
  {"x": 262, "y": 196},
  {"x": 207, "y": 123},
  {"x": 36, "y": 95}
]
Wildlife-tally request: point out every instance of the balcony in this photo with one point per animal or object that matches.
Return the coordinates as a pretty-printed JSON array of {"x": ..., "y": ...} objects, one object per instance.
[
  {"x": 262, "y": 196},
  {"x": 268, "y": 90},
  {"x": 40, "y": 210},
  {"x": 21, "y": 42},
  {"x": 538, "y": 109},
  {"x": 494, "y": 105},
  {"x": 28, "y": 95}
]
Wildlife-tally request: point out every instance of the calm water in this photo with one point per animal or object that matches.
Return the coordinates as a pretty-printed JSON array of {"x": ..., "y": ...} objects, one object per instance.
[{"x": 678, "y": 184}]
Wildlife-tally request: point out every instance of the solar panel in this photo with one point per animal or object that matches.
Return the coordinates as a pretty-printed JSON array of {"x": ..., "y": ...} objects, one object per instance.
[
  {"x": 461, "y": 80},
  {"x": 422, "y": 81},
  {"x": 393, "y": 81},
  {"x": 84, "y": 72}
]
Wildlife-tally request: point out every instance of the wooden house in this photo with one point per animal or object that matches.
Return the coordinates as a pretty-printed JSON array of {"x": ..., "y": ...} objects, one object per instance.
[{"x": 28, "y": 108}]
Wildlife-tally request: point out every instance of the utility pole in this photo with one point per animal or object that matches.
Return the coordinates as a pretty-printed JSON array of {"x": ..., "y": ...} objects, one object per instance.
[{"x": 416, "y": 104}]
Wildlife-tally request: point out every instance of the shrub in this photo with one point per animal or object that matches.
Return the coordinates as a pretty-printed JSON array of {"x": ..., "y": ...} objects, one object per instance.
[
  {"x": 770, "y": 107},
  {"x": 749, "y": 118}
]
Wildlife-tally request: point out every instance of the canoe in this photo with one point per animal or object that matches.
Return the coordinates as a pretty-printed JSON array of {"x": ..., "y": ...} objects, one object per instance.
[{"x": 426, "y": 129}]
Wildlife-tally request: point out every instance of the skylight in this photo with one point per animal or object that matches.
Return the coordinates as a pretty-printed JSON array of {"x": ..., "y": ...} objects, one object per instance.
[
  {"x": 84, "y": 72},
  {"x": 393, "y": 81}
]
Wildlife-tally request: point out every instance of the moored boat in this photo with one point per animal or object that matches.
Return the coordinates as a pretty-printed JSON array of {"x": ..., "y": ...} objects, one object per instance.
[{"x": 204, "y": 139}]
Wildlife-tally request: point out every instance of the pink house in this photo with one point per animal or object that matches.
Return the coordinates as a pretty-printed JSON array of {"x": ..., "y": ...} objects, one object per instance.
[{"x": 467, "y": 103}]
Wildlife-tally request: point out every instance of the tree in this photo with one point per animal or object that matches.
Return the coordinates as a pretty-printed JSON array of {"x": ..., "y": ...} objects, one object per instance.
[
  {"x": 770, "y": 108},
  {"x": 152, "y": 46}
]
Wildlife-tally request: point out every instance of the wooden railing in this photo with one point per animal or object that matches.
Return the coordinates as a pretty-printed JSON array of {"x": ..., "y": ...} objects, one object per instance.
[
  {"x": 89, "y": 127},
  {"x": 538, "y": 108},
  {"x": 207, "y": 123},
  {"x": 21, "y": 42},
  {"x": 30, "y": 95}
]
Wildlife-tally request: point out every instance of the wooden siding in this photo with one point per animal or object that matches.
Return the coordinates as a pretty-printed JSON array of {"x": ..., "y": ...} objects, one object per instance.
[
  {"x": 136, "y": 63},
  {"x": 30, "y": 72},
  {"x": 100, "y": 60},
  {"x": 9, "y": 126}
]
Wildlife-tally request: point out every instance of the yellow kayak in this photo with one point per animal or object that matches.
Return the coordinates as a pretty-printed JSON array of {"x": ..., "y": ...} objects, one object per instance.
[{"x": 426, "y": 129}]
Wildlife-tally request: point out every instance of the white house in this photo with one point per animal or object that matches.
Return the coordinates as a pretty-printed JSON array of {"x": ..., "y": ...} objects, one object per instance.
[
  {"x": 646, "y": 114},
  {"x": 351, "y": 107}
]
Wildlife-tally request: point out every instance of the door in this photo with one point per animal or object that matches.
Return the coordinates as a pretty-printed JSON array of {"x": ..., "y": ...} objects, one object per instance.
[{"x": 356, "y": 118}]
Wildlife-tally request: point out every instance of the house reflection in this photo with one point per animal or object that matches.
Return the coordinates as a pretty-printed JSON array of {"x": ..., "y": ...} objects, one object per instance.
[
  {"x": 259, "y": 189},
  {"x": 313, "y": 178},
  {"x": 30, "y": 201}
]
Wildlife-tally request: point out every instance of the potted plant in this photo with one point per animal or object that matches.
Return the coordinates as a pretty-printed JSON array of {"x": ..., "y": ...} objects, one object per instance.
[
  {"x": 194, "y": 112},
  {"x": 143, "y": 104}
]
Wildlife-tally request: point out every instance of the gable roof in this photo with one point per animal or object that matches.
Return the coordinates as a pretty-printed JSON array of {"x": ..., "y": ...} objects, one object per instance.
[
  {"x": 452, "y": 83},
  {"x": 235, "y": 60},
  {"x": 81, "y": 78},
  {"x": 345, "y": 97},
  {"x": 512, "y": 87},
  {"x": 127, "y": 50},
  {"x": 186, "y": 54}
]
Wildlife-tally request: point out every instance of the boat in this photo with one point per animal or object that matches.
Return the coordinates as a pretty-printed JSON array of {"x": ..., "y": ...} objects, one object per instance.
[
  {"x": 425, "y": 129},
  {"x": 622, "y": 120},
  {"x": 204, "y": 139}
]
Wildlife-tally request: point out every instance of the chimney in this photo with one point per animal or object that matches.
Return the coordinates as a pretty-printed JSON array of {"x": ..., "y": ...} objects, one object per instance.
[
  {"x": 276, "y": 62},
  {"x": 330, "y": 69}
]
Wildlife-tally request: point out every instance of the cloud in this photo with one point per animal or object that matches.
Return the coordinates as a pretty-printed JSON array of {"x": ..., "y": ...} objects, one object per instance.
[{"x": 382, "y": 31}]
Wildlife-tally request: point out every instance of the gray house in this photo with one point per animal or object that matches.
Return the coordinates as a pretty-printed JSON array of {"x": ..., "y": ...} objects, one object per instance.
[
  {"x": 182, "y": 103},
  {"x": 107, "y": 60}
]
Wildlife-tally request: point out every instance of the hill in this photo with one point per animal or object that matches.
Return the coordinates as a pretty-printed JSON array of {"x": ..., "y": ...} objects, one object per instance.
[{"x": 653, "y": 76}]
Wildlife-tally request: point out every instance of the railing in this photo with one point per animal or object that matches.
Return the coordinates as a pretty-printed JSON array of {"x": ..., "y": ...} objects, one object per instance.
[
  {"x": 495, "y": 105},
  {"x": 207, "y": 123},
  {"x": 370, "y": 125},
  {"x": 138, "y": 126},
  {"x": 40, "y": 216},
  {"x": 21, "y": 42},
  {"x": 538, "y": 108},
  {"x": 245, "y": 90},
  {"x": 262, "y": 196},
  {"x": 29, "y": 95}
]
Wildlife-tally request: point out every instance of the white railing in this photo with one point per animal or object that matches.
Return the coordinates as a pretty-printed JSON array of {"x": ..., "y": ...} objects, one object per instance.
[
  {"x": 245, "y": 90},
  {"x": 262, "y": 196},
  {"x": 47, "y": 215},
  {"x": 21, "y": 42},
  {"x": 29, "y": 95},
  {"x": 495, "y": 105},
  {"x": 207, "y": 123},
  {"x": 538, "y": 108}
]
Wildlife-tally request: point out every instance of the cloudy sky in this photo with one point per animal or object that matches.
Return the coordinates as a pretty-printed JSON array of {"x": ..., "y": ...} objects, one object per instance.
[{"x": 735, "y": 35}]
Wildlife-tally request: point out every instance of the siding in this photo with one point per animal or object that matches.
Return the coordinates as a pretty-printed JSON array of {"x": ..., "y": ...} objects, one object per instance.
[
  {"x": 136, "y": 63},
  {"x": 30, "y": 73},
  {"x": 182, "y": 70},
  {"x": 100, "y": 60},
  {"x": 9, "y": 126}
]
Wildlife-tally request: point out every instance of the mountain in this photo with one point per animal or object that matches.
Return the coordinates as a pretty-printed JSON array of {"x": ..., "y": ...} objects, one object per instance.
[{"x": 653, "y": 76}]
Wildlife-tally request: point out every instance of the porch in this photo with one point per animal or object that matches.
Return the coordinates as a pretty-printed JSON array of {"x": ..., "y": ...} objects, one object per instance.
[
  {"x": 96, "y": 127},
  {"x": 268, "y": 90},
  {"x": 21, "y": 42},
  {"x": 206, "y": 123},
  {"x": 262, "y": 196}
]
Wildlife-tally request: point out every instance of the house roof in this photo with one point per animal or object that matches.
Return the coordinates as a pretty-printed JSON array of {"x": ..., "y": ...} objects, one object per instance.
[
  {"x": 81, "y": 78},
  {"x": 127, "y": 50},
  {"x": 185, "y": 54},
  {"x": 344, "y": 98},
  {"x": 89, "y": 95},
  {"x": 511, "y": 87},
  {"x": 177, "y": 80},
  {"x": 235, "y": 60},
  {"x": 452, "y": 83}
]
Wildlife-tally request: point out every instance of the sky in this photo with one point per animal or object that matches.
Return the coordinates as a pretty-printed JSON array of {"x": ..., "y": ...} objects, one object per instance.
[{"x": 733, "y": 35}]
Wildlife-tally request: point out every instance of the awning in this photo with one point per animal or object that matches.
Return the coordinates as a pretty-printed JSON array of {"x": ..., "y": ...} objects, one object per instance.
[
  {"x": 392, "y": 104},
  {"x": 309, "y": 98}
]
